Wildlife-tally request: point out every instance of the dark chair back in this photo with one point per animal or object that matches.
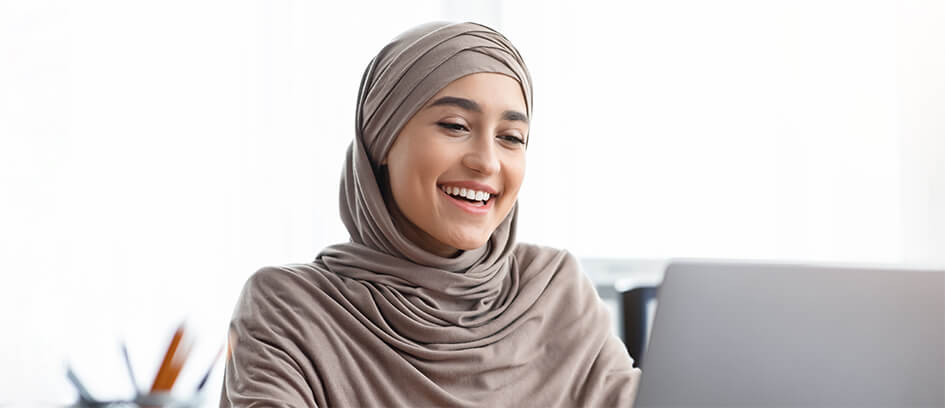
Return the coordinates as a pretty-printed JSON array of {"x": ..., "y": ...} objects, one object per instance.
[{"x": 636, "y": 323}]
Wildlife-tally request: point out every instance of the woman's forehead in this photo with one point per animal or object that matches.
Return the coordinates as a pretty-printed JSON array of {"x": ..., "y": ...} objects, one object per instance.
[{"x": 482, "y": 92}]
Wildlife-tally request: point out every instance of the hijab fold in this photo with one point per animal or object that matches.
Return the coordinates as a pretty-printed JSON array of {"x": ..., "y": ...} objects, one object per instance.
[{"x": 378, "y": 321}]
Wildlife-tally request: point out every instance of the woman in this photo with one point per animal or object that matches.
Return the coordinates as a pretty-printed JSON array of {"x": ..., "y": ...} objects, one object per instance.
[{"x": 432, "y": 302}]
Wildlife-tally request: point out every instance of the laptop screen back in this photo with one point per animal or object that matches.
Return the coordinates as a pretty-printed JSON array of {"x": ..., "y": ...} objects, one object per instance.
[{"x": 735, "y": 334}]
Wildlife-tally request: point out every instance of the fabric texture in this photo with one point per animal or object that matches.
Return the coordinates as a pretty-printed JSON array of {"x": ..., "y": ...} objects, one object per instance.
[{"x": 379, "y": 321}]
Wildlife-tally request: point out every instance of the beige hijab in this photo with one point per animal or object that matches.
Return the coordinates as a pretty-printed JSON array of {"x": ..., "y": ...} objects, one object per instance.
[{"x": 379, "y": 321}]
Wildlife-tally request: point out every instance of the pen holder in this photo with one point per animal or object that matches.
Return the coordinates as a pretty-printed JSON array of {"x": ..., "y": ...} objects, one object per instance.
[
  {"x": 160, "y": 395},
  {"x": 151, "y": 400}
]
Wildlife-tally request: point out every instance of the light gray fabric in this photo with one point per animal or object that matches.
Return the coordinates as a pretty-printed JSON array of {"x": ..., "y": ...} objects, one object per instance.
[
  {"x": 378, "y": 321},
  {"x": 397, "y": 82}
]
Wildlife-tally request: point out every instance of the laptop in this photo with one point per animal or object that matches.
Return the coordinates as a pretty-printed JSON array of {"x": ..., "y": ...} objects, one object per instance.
[{"x": 729, "y": 334}]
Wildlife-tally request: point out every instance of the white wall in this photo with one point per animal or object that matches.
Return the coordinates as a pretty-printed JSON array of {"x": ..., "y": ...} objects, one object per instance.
[
  {"x": 732, "y": 129},
  {"x": 920, "y": 78},
  {"x": 153, "y": 155}
]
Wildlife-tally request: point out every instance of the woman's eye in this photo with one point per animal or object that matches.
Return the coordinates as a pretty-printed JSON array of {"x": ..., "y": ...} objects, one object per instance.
[
  {"x": 452, "y": 126},
  {"x": 513, "y": 139}
]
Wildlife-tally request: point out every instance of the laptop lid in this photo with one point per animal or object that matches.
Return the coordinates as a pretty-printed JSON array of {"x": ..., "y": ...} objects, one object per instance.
[{"x": 766, "y": 335}]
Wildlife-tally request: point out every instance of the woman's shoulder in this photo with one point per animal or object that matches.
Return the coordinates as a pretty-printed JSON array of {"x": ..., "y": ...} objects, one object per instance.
[
  {"x": 527, "y": 253},
  {"x": 284, "y": 283},
  {"x": 559, "y": 273},
  {"x": 282, "y": 296},
  {"x": 541, "y": 259},
  {"x": 276, "y": 276}
]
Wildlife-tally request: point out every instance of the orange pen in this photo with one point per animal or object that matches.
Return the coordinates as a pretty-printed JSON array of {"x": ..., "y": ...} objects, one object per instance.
[{"x": 171, "y": 366}]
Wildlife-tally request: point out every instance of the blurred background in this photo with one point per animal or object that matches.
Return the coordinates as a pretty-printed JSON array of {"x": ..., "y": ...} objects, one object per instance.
[{"x": 153, "y": 155}]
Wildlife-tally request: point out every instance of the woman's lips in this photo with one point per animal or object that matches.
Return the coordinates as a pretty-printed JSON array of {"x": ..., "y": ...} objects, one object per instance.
[{"x": 467, "y": 206}]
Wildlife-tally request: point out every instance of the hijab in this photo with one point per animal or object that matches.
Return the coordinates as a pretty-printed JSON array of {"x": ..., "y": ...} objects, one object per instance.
[
  {"x": 379, "y": 321},
  {"x": 396, "y": 84}
]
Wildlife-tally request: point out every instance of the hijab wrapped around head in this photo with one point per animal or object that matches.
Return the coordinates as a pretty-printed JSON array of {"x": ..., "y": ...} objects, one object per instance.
[
  {"x": 396, "y": 84},
  {"x": 378, "y": 321}
]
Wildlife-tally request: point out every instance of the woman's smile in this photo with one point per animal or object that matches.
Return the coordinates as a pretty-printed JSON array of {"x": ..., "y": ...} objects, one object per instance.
[{"x": 476, "y": 202}]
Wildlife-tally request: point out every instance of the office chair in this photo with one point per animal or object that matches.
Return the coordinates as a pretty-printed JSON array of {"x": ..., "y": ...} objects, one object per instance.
[{"x": 636, "y": 323}]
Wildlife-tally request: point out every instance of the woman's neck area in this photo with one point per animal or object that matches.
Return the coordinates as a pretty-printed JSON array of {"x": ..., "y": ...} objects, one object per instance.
[{"x": 418, "y": 236}]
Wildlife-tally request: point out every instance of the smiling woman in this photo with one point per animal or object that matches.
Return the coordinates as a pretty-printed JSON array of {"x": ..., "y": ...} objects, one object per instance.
[
  {"x": 456, "y": 167},
  {"x": 432, "y": 302}
]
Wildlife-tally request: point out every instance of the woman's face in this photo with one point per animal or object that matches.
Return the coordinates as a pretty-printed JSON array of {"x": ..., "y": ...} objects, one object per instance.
[{"x": 470, "y": 137}]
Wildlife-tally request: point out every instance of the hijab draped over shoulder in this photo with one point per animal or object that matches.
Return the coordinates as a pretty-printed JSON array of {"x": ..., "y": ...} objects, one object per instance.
[{"x": 379, "y": 321}]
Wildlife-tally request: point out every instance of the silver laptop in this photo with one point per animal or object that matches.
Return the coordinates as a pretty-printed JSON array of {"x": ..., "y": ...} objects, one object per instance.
[{"x": 778, "y": 335}]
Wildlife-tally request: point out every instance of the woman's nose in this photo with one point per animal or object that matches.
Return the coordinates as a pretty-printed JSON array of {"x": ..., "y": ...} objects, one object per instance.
[{"x": 482, "y": 156}]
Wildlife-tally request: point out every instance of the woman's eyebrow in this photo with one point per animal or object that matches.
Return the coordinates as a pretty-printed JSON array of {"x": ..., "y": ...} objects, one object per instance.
[
  {"x": 463, "y": 103},
  {"x": 514, "y": 115},
  {"x": 472, "y": 106}
]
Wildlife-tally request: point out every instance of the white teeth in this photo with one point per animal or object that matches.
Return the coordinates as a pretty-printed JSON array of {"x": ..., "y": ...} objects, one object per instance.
[{"x": 467, "y": 193}]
